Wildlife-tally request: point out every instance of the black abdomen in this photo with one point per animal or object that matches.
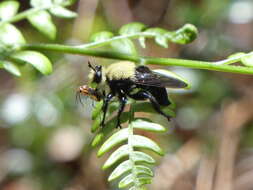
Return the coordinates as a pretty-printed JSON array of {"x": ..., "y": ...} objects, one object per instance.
[{"x": 159, "y": 93}]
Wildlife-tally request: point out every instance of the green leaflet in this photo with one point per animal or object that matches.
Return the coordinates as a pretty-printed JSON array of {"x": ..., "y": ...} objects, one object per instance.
[
  {"x": 247, "y": 60},
  {"x": 8, "y": 9},
  {"x": 97, "y": 115},
  {"x": 120, "y": 170},
  {"x": 11, "y": 67},
  {"x": 96, "y": 124},
  {"x": 142, "y": 157},
  {"x": 122, "y": 152},
  {"x": 160, "y": 37},
  {"x": 162, "y": 41},
  {"x": 97, "y": 139},
  {"x": 132, "y": 28},
  {"x": 114, "y": 140},
  {"x": 62, "y": 12},
  {"x": 36, "y": 59},
  {"x": 113, "y": 107},
  {"x": 126, "y": 181},
  {"x": 42, "y": 21},
  {"x": 64, "y": 2},
  {"x": 142, "y": 42},
  {"x": 144, "y": 180},
  {"x": 125, "y": 46},
  {"x": 10, "y": 35},
  {"x": 184, "y": 35},
  {"x": 110, "y": 125},
  {"x": 56, "y": 7},
  {"x": 144, "y": 142},
  {"x": 141, "y": 169},
  {"x": 116, "y": 155},
  {"x": 138, "y": 188},
  {"x": 145, "y": 124},
  {"x": 141, "y": 181},
  {"x": 129, "y": 179},
  {"x": 41, "y": 3},
  {"x": 97, "y": 110}
]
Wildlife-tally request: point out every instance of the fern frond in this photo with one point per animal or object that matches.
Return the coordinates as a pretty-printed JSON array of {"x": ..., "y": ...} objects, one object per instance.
[{"x": 134, "y": 167}]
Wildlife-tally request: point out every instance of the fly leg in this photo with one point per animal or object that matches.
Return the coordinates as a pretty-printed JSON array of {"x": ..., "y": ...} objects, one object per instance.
[
  {"x": 107, "y": 99},
  {"x": 143, "y": 95},
  {"x": 123, "y": 101}
]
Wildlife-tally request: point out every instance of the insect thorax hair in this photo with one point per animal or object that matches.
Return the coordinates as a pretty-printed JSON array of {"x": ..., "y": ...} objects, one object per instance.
[
  {"x": 120, "y": 70},
  {"x": 117, "y": 71}
]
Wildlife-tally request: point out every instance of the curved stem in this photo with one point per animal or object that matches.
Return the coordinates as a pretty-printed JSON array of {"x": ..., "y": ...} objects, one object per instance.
[
  {"x": 108, "y": 41},
  {"x": 22, "y": 15},
  {"x": 232, "y": 59},
  {"x": 147, "y": 60},
  {"x": 201, "y": 65}
]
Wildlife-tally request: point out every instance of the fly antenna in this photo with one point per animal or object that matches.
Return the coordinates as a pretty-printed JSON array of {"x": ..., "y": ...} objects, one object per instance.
[{"x": 90, "y": 66}]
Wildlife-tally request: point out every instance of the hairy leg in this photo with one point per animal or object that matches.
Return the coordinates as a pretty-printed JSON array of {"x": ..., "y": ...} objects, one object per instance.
[
  {"x": 143, "y": 95},
  {"x": 107, "y": 99},
  {"x": 123, "y": 101}
]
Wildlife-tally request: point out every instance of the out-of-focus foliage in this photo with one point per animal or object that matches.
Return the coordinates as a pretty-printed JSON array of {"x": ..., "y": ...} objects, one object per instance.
[
  {"x": 11, "y": 37},
  {"x": 45, "y": 137}
]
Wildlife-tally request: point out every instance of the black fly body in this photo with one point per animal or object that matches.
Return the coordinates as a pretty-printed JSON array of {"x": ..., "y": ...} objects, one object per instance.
[{"x": 126, "y": 80}]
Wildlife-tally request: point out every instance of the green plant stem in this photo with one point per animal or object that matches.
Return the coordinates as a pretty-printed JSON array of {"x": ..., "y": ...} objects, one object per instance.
[
  {"x": 22, "y": 15},
  {"x": 130, "y": 146},
  {"x": 232, "y": 59},
  {"x": 141, "y": 59},
  {"x": 108, "y": 41}
]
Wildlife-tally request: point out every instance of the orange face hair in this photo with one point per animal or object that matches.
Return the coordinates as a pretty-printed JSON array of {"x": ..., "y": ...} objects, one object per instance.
[{"x": 90, "y": 92}]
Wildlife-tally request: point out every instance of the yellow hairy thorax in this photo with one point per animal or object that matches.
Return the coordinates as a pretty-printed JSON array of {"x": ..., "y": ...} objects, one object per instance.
[
  {"x": 115, "y": 71},
  {"x": 120, "y": 70}
]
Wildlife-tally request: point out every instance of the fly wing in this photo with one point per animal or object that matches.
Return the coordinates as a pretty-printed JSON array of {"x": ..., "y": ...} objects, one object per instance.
[{"x": 145, "y": 76}]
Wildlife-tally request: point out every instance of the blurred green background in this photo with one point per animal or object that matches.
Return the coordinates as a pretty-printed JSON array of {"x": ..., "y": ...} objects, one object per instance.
[{"x": 45, "y": 136}]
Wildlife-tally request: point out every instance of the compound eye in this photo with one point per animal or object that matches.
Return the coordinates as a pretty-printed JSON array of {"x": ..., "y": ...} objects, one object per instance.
[
  {"x": 98, "y": 74},
  {"x": 98, "y": 68},
  {"x": 97, "y": 78}
]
